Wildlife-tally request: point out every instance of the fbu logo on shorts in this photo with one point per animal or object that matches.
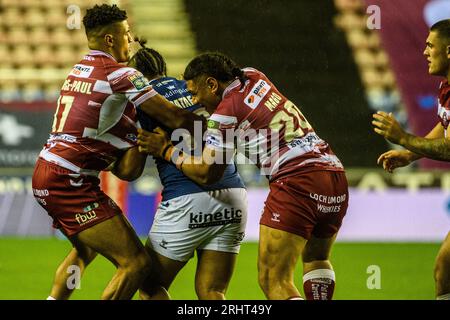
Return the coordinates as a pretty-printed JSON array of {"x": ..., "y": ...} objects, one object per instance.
[{"x": 85, "y": 218}]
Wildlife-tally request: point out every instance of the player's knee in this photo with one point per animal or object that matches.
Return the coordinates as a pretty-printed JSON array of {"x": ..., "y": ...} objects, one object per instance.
[{"x": 86, "y": 258}]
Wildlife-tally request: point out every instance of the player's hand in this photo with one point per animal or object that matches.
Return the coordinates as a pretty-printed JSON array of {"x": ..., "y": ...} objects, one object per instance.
[
  {"x": 394, "y": 159},
  {"x": 154, "y": 143},
  {"x": 387, "y": 126}
]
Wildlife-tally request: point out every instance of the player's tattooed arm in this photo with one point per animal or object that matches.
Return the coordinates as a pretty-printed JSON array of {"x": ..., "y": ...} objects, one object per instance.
[
  {"x": 171, "y": 116},
  {"x": 434, "y": 145},
  {"x": 436, "y": 149},
  {"x": 130, "y": 165}
]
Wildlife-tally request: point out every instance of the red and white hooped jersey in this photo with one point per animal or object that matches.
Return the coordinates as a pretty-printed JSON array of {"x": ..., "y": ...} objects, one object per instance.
[
  {"x": 444, "y": 104},
  {"x": 95, "y": 119},
  {"x": 269, "y": 129}
]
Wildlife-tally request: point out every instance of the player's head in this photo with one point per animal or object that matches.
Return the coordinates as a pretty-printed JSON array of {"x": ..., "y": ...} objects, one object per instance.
[
  {"x": 437, "y": 49},
  {"x": 107, "y": 30},
  {"x": 148, "y": 61},
  {"x": 207, "y": 76}
]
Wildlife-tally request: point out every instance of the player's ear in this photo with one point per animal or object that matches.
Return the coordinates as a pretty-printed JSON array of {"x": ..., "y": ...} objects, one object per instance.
[
  {"x": 212, "y": 84},
  {"x": 109, "y": 40}
]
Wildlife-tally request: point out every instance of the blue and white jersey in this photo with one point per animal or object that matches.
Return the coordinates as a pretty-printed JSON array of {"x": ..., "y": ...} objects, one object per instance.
[{"x": 175, "y": 183}]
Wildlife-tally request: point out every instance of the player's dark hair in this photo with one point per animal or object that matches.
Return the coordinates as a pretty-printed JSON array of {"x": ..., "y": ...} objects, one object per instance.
[
  {"x": 442, "y": 28},
  {"x": 103, "y": 15},
  {"x": 148, "y": 61},
  {"x": 216, "y": 65}
]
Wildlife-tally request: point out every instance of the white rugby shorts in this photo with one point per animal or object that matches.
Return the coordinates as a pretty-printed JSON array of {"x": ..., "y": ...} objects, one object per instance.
[{"x": 213, "y": 220}]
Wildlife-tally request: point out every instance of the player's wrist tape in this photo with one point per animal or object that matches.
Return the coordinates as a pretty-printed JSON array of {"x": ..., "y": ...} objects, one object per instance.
[
  {"x": 167, "y": 153},
  {"x": 180, "y": 160},
  {"x": 171, "y": 154}
]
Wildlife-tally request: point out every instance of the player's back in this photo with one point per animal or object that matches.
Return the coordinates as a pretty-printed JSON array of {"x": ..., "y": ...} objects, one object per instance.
[
  {"x": 95, "y": 119},
  {"x": 271, "y": 130},
  {"x": 175, "y": 183}
]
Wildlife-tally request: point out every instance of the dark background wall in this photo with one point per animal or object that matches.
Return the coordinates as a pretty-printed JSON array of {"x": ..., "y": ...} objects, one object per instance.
[{"x": 297, "y": 46}]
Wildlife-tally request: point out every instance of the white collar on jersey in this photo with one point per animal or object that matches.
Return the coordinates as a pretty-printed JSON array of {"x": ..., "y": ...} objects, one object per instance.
[
  {"x": 230, "y": 87},
  {"x": 100, "y": 53}
]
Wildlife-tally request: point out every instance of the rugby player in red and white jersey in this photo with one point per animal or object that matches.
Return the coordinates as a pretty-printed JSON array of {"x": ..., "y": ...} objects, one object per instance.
[
  {"x": 308, "y": 189},
  {"x": 95, "y": 129},
  {"x": 435, "y": 145}
]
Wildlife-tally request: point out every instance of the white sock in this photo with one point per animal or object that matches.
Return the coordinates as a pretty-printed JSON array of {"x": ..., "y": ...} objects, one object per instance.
[
  {"x": 50, "y": 298},
  {"x": 319, "y": 273},
  {"x": 443, "y": 297}
]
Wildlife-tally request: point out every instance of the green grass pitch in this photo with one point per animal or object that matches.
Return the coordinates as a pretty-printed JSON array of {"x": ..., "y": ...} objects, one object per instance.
[{"x": 27, "y": 267}]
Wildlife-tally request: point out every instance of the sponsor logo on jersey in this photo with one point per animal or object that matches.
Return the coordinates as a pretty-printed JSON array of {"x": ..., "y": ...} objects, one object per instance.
[
  {"x": 214, "y": 141},
  {"x": 219, "y": 218},
  {"x": 257, "y": 93},
  {"x": 131, "y": 137},
  {"x": 275, "y": 217},
  {"x": 138, "y": 81},
  {"x": 41, "y": 192},
  {"x": 82, "y": 219},
  {"x": 91, "y": 207},
  {"x": 165, "y": 204},
  {"x": 443, "y": 115},
  {"x": 163, "y": 244},
  {"x": 81, "y": 71},
  {"x": 64, "y": 137},
  {"x": 213, "y": 124},
  {"x": 239, "y": 237}
]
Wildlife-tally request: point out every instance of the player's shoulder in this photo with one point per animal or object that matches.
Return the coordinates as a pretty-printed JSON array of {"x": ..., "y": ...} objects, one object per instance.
[
  {"x": 444, "y": 90},
  {"x": 168, "y": 82},
  {"x": 253, "y": 72}
]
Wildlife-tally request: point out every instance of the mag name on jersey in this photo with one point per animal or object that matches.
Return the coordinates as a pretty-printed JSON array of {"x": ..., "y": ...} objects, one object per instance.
[{"x": 77, "y": 86}]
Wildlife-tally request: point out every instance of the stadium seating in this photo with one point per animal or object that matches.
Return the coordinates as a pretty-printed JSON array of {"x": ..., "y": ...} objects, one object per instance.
[
  {"x": 35, "y": 41},
  {"x": 309, "y": 59},
  {"x": 37, "y": 48},
  {"x": 372, "y": 61},
  {"x": 165, "y": 24}
]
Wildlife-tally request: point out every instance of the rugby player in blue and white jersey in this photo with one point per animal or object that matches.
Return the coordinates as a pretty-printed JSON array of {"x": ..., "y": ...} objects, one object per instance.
[{"x": 210, "y": 220}]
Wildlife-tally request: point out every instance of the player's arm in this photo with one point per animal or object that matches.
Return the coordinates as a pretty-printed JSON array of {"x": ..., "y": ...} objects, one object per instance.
[
  {"x": 130, "y": 165},
  {"x": 205, "y": 169},
  {"x": 160, "y": 109},
  {"x": 436, "y": 133},
  {"x": 434, "y": 145},
  {"x": 436, "y": 149}
]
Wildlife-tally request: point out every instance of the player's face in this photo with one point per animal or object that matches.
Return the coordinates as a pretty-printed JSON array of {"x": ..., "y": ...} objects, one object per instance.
[
  {"x": 122, "y": 40},
  {"x": 204, "y": 93},
  {"x": 436, "y": 52}
]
